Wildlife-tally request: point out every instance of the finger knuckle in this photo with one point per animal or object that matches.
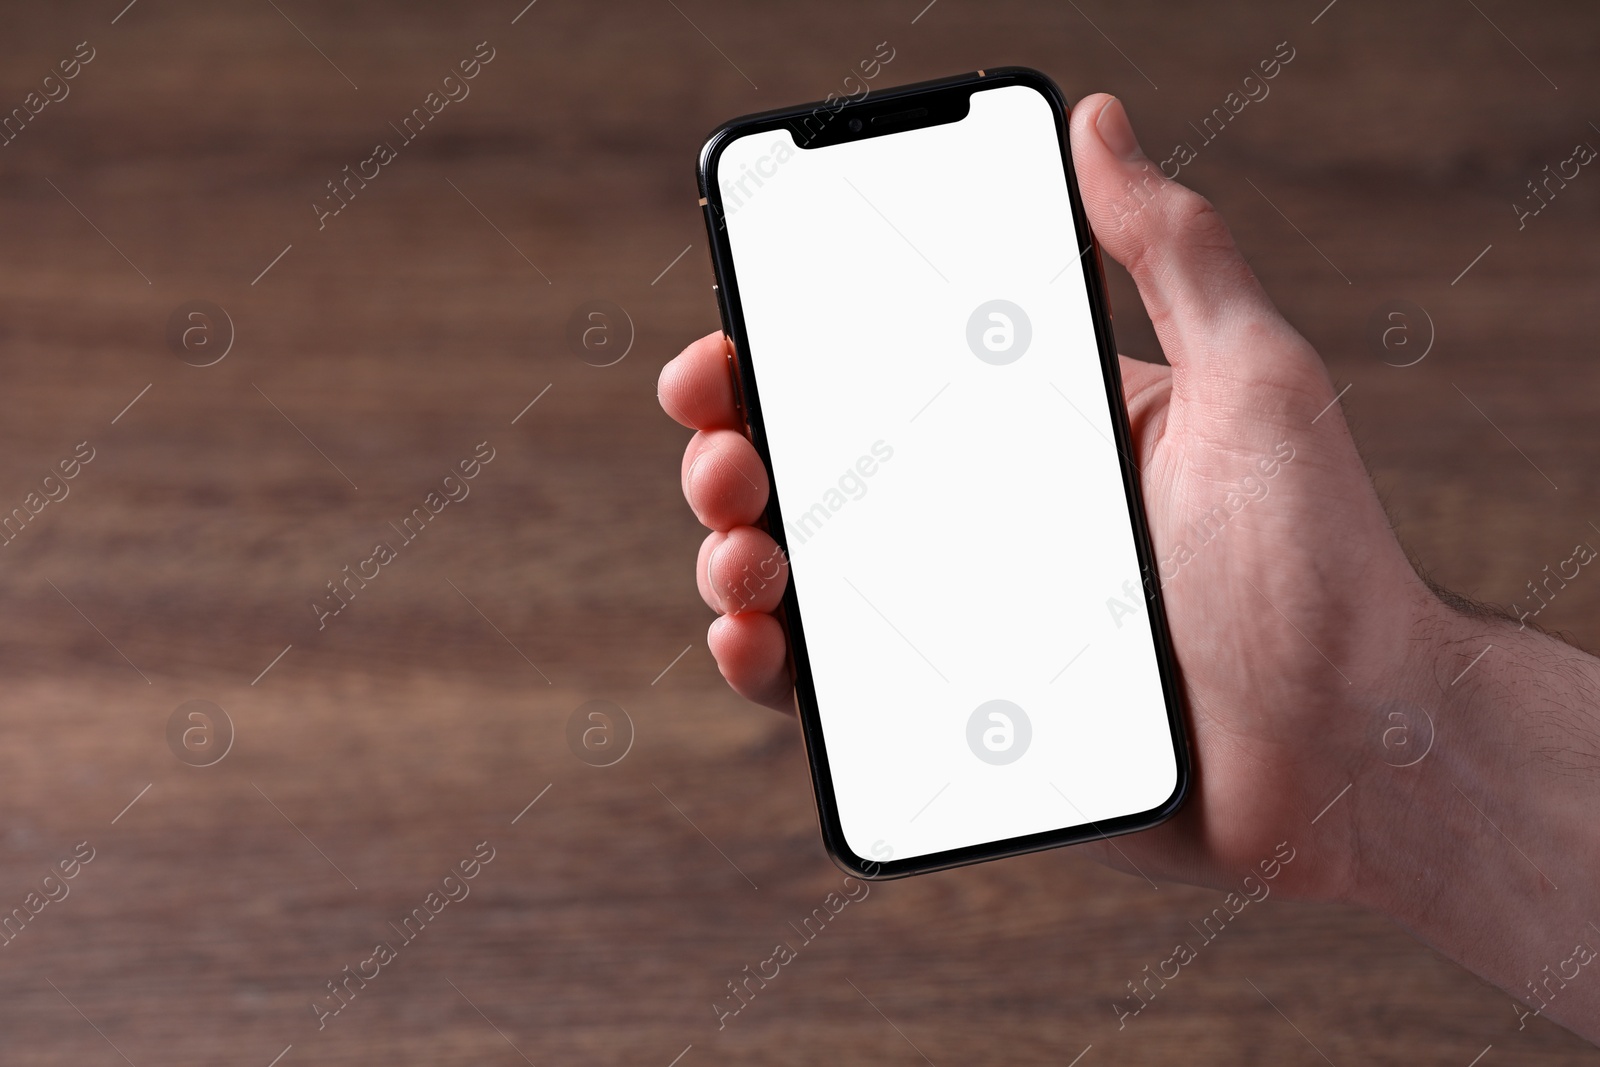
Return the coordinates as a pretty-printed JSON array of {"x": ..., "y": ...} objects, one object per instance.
[{"x": 1194, "y": 221}]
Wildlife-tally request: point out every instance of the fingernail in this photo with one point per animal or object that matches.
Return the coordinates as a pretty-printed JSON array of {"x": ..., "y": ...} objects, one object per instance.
[
  {"x": 1117, "y": 132},
  {"x": 688, "y": 475},
  {"x": 711, "y": 581}
]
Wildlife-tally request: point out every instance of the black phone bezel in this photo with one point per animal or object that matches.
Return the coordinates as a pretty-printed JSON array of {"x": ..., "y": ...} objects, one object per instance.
[{"x": 943, "y": 97}]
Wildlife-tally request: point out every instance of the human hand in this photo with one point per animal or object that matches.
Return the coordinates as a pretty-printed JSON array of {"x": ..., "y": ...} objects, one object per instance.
[{"x": 1291, "y": 605}]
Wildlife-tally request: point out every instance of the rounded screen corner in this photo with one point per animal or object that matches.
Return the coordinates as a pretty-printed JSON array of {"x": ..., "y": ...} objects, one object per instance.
[
  {"x": 845, "y": 858},
  {"x": 1034, "y": 79},
  {"x": 1182, "y": 787},
  {"x": 711, "y": 150}
]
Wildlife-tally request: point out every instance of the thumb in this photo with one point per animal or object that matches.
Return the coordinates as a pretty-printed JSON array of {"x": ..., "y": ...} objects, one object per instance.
[{"x": 1201, "y": 295}]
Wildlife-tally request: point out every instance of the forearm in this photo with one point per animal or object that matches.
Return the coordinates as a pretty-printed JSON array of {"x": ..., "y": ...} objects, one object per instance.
[{"x": 1488, "y": 848}]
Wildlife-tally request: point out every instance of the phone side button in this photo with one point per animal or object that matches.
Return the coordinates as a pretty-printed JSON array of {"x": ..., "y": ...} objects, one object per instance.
[{"x": 734, "y": 379}]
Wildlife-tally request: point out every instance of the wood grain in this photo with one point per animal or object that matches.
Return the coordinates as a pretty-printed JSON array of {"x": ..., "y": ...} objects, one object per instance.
[{"x": 423, "y": 318}]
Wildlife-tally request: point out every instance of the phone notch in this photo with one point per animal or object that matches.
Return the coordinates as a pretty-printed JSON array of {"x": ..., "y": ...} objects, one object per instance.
[{"x": 824, "y": 127}]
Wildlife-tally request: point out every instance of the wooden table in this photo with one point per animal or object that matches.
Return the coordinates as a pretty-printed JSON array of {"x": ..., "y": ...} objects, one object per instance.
[{"x": 371, "y": 355}]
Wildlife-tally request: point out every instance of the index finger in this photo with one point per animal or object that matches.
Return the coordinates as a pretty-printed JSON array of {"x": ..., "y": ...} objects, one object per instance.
[{"x": 696, "y": 387}]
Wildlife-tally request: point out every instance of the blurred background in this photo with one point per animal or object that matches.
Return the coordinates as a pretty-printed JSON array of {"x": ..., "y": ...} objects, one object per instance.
[{"x": 249, "y": 849}]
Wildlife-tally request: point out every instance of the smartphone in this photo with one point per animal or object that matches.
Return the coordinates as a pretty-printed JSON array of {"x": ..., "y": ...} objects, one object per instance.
[{"x": 923, "y": 358}]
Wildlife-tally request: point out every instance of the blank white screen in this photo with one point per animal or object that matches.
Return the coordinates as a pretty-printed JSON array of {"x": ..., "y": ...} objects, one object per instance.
[{"x": 977, "y": 558}]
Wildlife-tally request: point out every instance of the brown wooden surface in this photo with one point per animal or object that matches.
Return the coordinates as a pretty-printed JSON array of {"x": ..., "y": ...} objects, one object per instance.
[{"x": 409, "y": 330}]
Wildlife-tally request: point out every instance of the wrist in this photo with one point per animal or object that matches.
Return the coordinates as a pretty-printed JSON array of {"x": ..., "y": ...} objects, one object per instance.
[
  {"x": 1473, "y": 707},
  {"x": 1480, "y": 843},
  {"x": 1386, "y": 732}
]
